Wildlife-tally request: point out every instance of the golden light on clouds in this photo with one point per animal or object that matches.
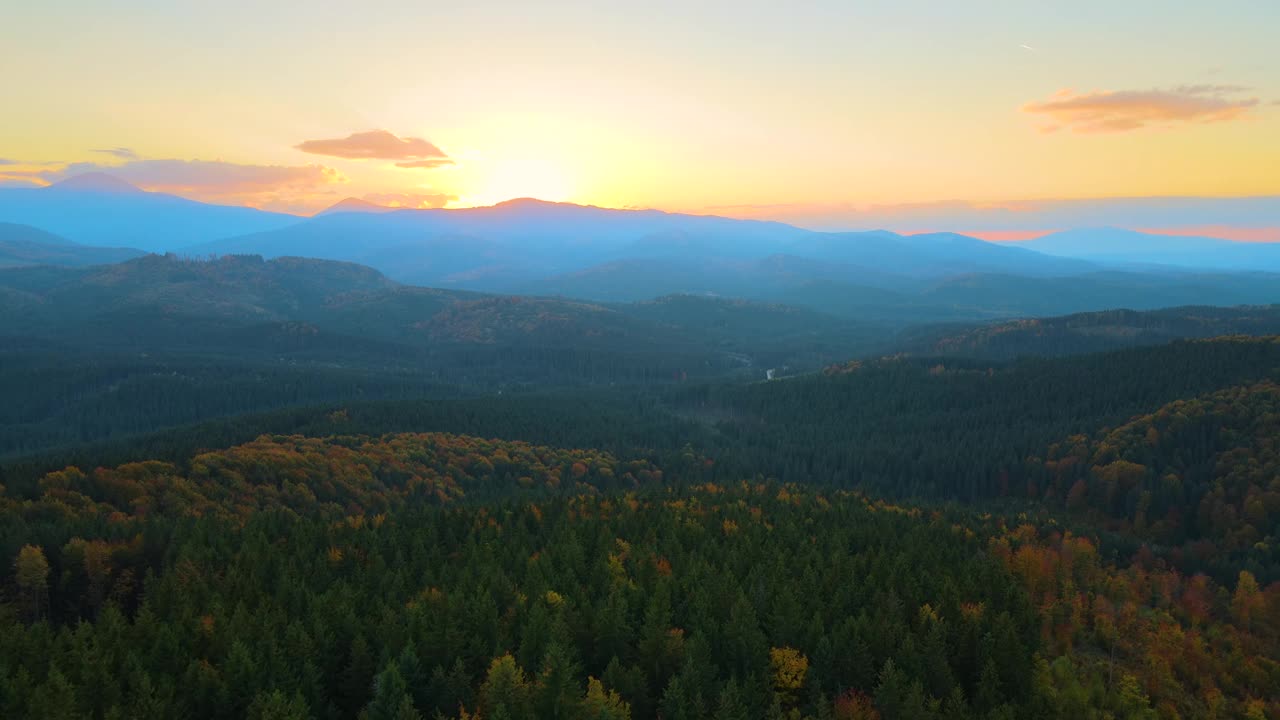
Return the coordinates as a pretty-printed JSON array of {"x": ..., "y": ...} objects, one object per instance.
[
  {"x": 379, "y": 145},
  {"x": 1125, "y": 110}
]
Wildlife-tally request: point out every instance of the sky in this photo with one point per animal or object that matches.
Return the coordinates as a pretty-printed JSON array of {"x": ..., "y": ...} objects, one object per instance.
[{"x": 902, "y": 114}]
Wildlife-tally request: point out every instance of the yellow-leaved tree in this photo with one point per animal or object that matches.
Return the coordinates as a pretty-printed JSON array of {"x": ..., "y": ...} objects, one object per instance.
[
  {"x": 789, "y": 667},
  {"x": 31, "y": 572}
]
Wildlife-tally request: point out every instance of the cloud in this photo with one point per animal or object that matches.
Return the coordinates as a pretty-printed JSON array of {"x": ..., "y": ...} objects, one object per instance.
[
  {"x": 418, "y": 201},
  {"x": 277, "y": 187},
  {"x": 123, "y": 153},
  {"x": 19, "y": 173},
  {"x": 1210, "y": 89},
  {"x": 207, "y": 176},
  {"x": 380, "y": 145},
  {"x": 427, "y": 164},
  {"x": 1125, "y": 110}
]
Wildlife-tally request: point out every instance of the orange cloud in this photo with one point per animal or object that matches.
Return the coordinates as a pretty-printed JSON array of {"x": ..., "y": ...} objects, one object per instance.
[
  {"x": 205, "y": 177},
  {"x": 1124, "y": 110},
  {"x": 410, "y": 200},
  {"x": 22, "y": 174},
  {"x": 380, "y": 145},
  {"x": 278, "y": 187},
  {"x": 432, "y": 163},
  {"x": 123, "y": 153}
]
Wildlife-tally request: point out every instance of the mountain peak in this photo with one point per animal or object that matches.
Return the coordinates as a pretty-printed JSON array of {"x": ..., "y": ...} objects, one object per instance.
[
  {"x": 355, "y": 205},
  {"x": 523, "y": 201},
  {"x": 528, "y": 202},
  {"x": 97, "y": 182}
]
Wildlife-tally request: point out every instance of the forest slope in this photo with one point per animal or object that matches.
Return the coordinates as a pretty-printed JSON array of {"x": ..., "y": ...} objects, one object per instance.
[
  {"x": 398, "y": 577},
  {"x": 317, "y": 311},
  {"x": 1084, "y": 333},
  {"x": 1200, "y": 474}
]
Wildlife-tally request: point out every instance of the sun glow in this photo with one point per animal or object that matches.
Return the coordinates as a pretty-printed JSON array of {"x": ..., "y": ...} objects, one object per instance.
[{"x": 520, "y": 178}]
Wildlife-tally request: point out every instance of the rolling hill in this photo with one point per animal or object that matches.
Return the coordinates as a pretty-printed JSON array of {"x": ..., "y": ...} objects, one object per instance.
[
  {"x": 115, "y": 350},
  {"x": 994, "y": 296},
  {"x": 322, "y": 309},
  {"x": 1090, "y": 332},
  {"x": 23, "y": 245}
]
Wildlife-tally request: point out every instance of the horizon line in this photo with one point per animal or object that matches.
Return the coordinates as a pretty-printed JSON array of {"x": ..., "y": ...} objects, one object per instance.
[{"x": 1232, "y": 233}]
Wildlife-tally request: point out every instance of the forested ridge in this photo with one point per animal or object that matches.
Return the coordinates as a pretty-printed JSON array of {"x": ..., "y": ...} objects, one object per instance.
[
  {"x": 1082, "y": 333},
  {"x": 115, "y": 352},
  {"x": 293, "y": 314},
  {"x": 1201, "y": 475},
  {"x": 895, "y": 537},
  {"x": 393, "y": 576},
  {"x": 956, "y": 428}
]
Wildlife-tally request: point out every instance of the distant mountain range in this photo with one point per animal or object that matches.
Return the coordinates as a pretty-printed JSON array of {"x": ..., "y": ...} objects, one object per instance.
[
  {"x": 530, "y": 247},
  {"x": 104, "y": 211},
  {"x": 536, "y": 247},
  {"x": 1119, "y": 246}
]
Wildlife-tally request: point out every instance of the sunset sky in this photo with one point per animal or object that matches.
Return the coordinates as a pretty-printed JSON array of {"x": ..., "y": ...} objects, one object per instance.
[{"x": 800, "y": 112}]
